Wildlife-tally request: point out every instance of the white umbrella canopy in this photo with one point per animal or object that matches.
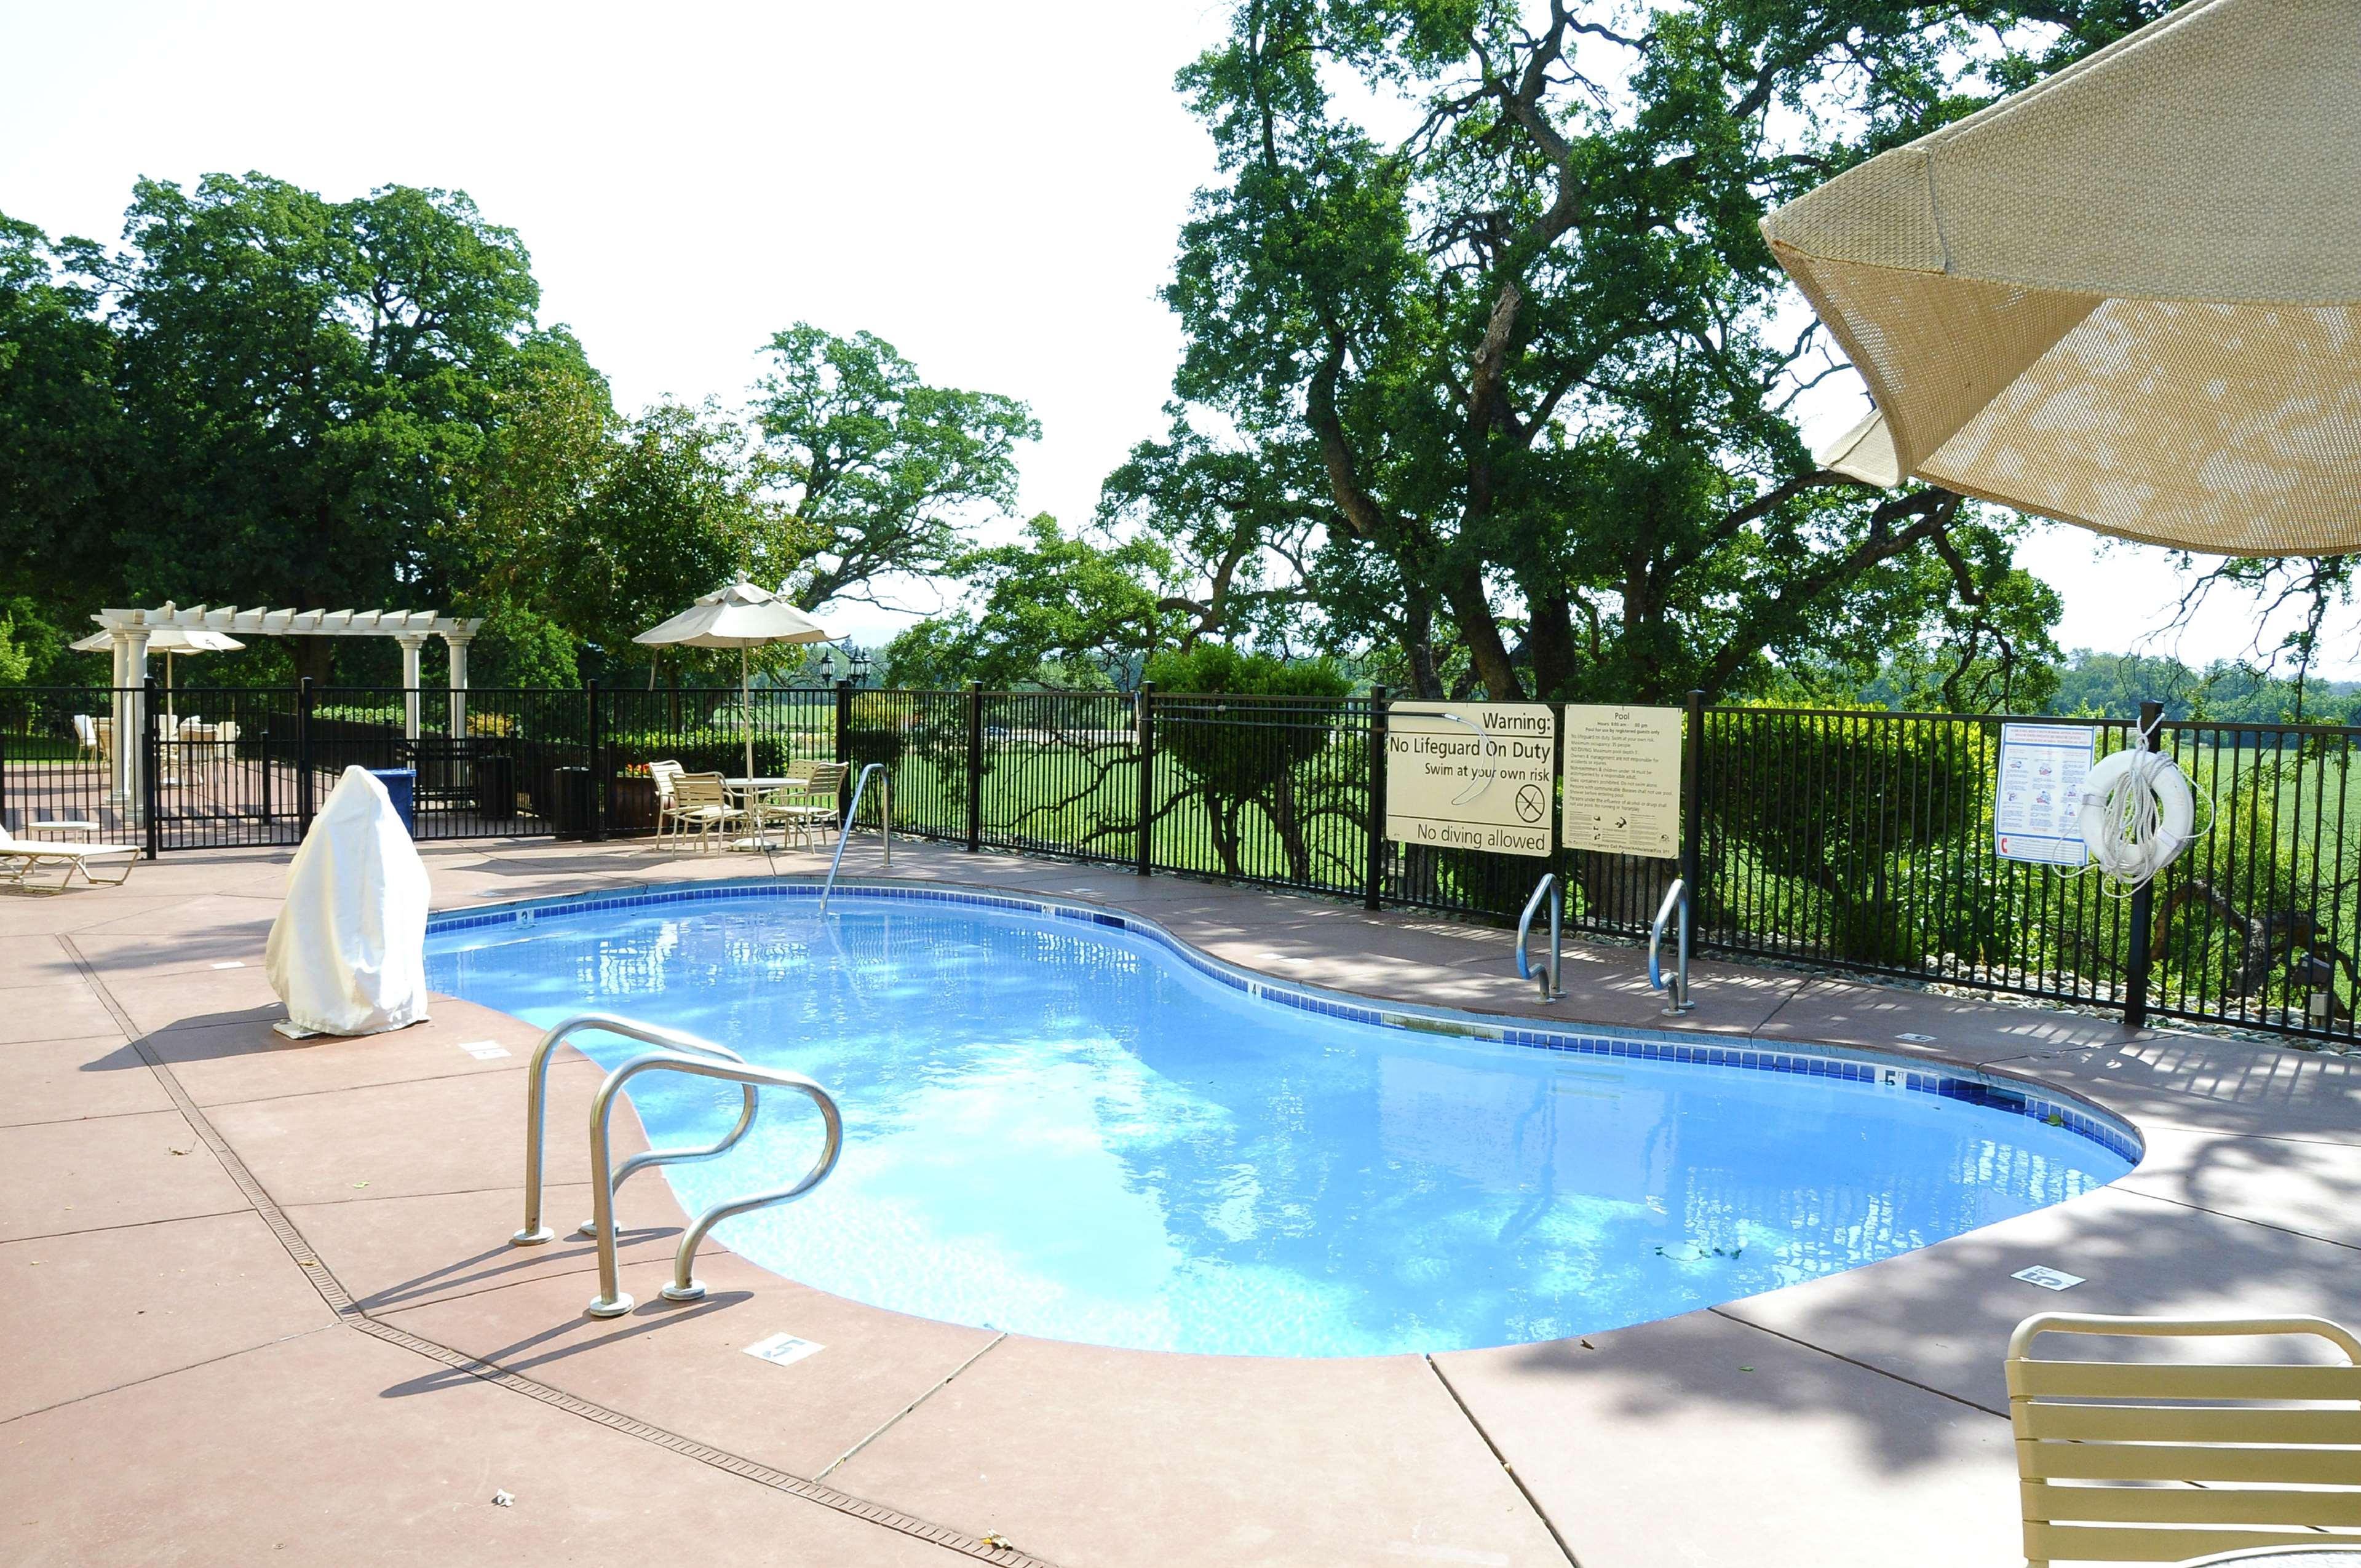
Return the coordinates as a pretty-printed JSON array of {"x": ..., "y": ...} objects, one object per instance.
[
  {"x": 169, "y": 641},
  {"x": 2128, "y": 297},
  {"x": 740, "y": 615}
]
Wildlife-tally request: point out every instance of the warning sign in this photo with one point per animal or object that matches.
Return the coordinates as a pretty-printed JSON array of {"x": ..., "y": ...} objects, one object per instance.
[
  {"x": 1470, "y": 775},
  {"x": 1623, "y": 780},
  {"x": 2038, "y": 800}
]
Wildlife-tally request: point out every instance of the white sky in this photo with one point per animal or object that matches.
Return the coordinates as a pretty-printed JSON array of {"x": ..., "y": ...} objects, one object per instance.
[{"x": 995, "y": 189}]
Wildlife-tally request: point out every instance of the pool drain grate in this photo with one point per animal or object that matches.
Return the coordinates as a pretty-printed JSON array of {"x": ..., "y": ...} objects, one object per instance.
[{"x": 332, "y": 1291}]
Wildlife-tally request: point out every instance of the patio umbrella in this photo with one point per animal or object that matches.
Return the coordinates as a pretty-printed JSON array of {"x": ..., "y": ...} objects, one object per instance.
[
  {"x": 741, "y": 616},
  {"x": 171, "y": 641},
  {"x": 2128, "y": 297}
]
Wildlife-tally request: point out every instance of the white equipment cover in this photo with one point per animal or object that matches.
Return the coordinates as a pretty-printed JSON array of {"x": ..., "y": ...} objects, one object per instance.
[{"x": 347, "y": 953}]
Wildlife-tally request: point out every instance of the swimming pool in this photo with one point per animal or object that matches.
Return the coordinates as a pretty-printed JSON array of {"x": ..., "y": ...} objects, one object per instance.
[{"x": 1065, "y": 1124}]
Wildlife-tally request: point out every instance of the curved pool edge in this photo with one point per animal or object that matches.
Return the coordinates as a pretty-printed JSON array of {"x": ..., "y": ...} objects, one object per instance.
[{"x": 1930, "y": 1073}]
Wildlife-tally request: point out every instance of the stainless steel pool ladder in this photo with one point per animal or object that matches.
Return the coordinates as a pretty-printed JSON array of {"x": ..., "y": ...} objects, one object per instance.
[
  {"x": 1677, "y": 989},
  {"x": 1551, "y": 991},
  {"x": 851, "y": 812},
  {"x": 675, "y": 1052}
]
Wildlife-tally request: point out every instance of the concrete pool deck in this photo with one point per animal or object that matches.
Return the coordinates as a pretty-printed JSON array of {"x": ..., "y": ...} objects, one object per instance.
[{"x": 260, "y": 1305}]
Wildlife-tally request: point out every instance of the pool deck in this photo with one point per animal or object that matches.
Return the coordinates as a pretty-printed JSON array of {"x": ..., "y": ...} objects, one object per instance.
[{"x": 262, "y": 1307}]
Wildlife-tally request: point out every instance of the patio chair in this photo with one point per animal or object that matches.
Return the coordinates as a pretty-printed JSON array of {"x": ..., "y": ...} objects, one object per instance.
[
  {"x": 2161, "y": 1460},
  {"x": 102, "y": 735},
  {"x": 807, "y": 804},
  {"x": 85, "y": 737},
  {"x": 702, "y": 801},
  {"x": 21, "y": 859},
  {"x": 662, "y": 774}
]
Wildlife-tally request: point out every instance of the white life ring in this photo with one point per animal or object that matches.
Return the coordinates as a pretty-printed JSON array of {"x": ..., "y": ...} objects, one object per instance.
[{"x": 2138, "y": 813}]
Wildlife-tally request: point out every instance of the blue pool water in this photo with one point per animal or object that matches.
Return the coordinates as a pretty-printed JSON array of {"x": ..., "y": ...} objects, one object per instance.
[{"x": 1057, "y": 1128}]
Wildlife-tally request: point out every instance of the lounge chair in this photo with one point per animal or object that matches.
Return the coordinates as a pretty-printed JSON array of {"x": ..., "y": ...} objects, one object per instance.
[
  {"x": 702, "y": 801},
  {"x": 2162, "y": 1461},
  {"x": 21, "y": 859}
]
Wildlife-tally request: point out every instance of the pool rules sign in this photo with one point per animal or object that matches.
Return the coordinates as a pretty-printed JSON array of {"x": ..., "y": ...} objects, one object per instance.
[
  {"x": 1470, "y": 775},
  {"x": 1623, "y": 780}
]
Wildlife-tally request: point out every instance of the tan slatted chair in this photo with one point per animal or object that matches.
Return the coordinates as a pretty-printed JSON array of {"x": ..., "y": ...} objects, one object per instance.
[
  {"x": 808, "y": 806},
  {"x": 702, "y": 801},
  {"x": 2161, "y": 1460},
  {"x": 662, "y": 775}
]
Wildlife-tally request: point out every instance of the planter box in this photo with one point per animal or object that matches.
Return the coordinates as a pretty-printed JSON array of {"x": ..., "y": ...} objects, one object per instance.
[{"x": 632, "y": 805}]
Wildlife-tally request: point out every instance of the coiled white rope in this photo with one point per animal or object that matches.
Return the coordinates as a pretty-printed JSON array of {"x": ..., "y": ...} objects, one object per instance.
[{"x": 2138, "y": 813}]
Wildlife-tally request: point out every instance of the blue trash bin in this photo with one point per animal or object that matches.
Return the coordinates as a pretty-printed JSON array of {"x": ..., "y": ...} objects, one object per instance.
[{"x": 401, "y": 784}]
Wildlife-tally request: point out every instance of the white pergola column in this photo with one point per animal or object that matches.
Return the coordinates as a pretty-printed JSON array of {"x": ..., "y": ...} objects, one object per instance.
[
  {"x": 457, "y": 642},
  {"x": 131, "y": 723},
  {"x": 412, "y": 644}
]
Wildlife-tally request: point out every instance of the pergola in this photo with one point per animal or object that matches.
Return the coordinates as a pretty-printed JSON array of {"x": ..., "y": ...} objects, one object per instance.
[{"x": 130, "y": 629}]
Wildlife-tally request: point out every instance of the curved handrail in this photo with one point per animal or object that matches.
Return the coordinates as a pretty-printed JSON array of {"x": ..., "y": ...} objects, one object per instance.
[
  {"x": 844, "y": 831},
  {"x": 1550, "y": 991},
  {"x": 1678, "y": 992},
  {"x": 536, "y": 1102},
  {"x": 611, "y": 1302}
]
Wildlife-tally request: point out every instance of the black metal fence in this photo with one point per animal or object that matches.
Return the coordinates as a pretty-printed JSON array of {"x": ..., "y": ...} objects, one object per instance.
[{"x": 1860, "y": 842}]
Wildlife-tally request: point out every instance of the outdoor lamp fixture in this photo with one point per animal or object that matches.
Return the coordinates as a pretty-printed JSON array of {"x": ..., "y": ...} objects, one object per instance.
[{"x": 828, "y": 668}]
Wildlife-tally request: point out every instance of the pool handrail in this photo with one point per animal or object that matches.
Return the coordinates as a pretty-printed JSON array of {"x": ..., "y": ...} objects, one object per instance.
[
  {"x": 844, "y": 830},
  {"x": 1677, "y": 991},
  {"x": 1551, "y": 991},
  {"x": 536, "y": 1104},
  {"x": 611, "y": 1302}
]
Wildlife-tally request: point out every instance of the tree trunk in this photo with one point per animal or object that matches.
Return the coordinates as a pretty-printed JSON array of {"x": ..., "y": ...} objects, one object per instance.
[
  {"x": 1550, "y": 638},
  {"x": 315, "y": 659},
  {"x": 1480, "y": 631}
]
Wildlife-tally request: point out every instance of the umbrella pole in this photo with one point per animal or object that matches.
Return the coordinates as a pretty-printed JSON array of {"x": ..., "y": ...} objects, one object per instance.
[{"x": 746, "y": 697}]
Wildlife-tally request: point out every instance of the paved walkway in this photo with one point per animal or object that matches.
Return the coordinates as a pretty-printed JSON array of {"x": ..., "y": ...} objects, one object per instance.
[{"x": 260, "y": 1310}]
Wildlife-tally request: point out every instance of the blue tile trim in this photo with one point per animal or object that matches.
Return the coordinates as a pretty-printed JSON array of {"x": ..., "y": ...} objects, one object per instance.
[{"x": 1866, "y": 1067}]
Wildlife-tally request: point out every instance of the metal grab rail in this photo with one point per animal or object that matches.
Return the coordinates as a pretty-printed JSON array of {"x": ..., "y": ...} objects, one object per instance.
[
  {"x": 1550, "y": 988},
  {"x": 844, "y": 831},
  {"x": 1677, "y": 992},
  {"x": 536, "y": 1098},
  {"x": 611, "y": 1302}
]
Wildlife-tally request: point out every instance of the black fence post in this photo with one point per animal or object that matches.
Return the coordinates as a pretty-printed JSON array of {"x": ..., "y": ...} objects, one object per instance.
[
  {"x": 1373, "y": 866},
  {"x": 843, "y": 729},
  {"x": 974, "y": 767},
  {"x": 601, "y": 780},
  {"x": 1693, "y": 804},
  {"x": 2151, "y": 734},
  {"x": 152, "y": 744},
  {"x": 303, "y": 790},
  {"x": 1143, "y": 847}
]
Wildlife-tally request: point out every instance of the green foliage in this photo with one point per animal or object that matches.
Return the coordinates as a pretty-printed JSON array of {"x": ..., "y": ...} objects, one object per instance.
[
  {"x": 1504, "y": 396},
  {"x": 307, "y": 380},
  {"x": 517, "y": 647},
  {"x": 1253, "y": 756},
  {"x": 269, "y": 397},
  {"x": 873, "y": 732},
  {"x": 1052, "y": 610},
  {"x": 15, "y": 662},
  {"x": 1861, "y": 797},
  {"x": 880, "y": 468}
]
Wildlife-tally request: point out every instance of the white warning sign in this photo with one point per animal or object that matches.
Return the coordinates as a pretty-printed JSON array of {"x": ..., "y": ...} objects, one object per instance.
[
  {"x": 1470, "y": 775},
  {"x": 1623, "y": 780},
  {"x": 2038, "y": 800}
]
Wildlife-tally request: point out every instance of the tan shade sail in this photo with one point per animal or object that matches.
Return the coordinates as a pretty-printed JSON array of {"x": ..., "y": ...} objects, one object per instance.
[{"x": 2128, "y": 297}]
